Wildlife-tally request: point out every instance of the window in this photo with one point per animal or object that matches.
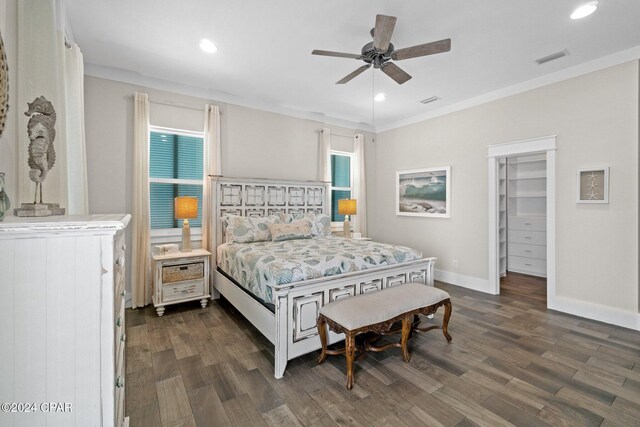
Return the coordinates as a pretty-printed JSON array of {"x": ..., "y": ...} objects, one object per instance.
[
  {"x": 175, "y": 169},
  {"x": 341, "y": 181}
]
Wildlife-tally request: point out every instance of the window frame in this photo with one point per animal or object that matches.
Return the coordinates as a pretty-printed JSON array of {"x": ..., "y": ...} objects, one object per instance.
[
  {"x": 338, "y": 225},
  {"x": 167, "y": 235}
]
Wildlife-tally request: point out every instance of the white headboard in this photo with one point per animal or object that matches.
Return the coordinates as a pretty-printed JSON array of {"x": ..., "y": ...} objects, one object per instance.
[{"x": 262, "y": 197}]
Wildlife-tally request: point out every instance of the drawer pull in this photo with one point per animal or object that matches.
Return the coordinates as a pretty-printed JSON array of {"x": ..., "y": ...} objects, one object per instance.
[
  {"x": 527, "y": 251},
  {"x": 123, "y": 293},
  {"x": 528, "y": 265},
  {"x": 184, "y": 268},
  {"x": 528, "y": 223},
  {"x": 527, "y": 237},
  {"x": 118, "y": 322},
  {"x": 119, "y": 382}
]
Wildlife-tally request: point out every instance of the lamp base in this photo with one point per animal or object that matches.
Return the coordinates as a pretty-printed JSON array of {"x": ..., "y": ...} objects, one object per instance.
[
  {"x": 186, "y": 237},
  {"x": 347, "y": 227}
]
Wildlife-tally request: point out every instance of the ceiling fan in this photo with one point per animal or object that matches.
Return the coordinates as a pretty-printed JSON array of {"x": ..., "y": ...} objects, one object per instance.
[{"x": 380, "y": 52}]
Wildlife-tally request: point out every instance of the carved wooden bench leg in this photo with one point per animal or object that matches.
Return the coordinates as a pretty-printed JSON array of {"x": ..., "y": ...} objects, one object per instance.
[
  {"x": 445, "y": 320},
  {"x": 322, "y": 331},
  {"x": 350, "y": 350},
  {"x": 406, "y": 333}
]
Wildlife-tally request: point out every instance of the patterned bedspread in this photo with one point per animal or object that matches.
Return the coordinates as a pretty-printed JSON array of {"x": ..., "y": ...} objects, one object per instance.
[{"x": 259, "y": 266}]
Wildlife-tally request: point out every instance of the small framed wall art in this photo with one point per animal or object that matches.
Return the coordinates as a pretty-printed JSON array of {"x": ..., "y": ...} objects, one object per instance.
[
  {"x": 424, "y": 192},
  {"x": 593, "y": 185}
]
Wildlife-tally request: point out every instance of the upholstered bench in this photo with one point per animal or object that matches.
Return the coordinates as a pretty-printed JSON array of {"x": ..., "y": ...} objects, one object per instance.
[{"x": 377, "y": 312}]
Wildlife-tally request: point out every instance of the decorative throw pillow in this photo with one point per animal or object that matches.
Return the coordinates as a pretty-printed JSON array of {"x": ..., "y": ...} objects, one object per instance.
[
  {"x": 298, "y": 229},
  {"x": 323, "y": 224},
  {"x": 243, "y": 229},
  {"x": 320, "y": 223}
]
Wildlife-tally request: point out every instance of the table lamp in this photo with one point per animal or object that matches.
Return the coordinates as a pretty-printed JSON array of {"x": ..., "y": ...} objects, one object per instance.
[
  {"x": 347, "y": 207},
  {"x": 186, "y": 207}
]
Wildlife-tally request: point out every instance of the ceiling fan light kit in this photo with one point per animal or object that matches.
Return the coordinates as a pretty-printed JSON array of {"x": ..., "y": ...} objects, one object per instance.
[{"x": 380, "y": 52}]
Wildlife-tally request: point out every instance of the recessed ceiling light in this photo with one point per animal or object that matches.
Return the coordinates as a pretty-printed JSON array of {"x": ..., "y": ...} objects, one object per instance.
[
  {"x": 585, "y": 10},
  {"x": 380, "y": 97},
  {"x": 207, "y": 46}
]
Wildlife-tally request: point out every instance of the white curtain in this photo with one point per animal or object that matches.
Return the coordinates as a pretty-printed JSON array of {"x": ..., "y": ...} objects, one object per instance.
[
  {"x": 212, "y": 163},
  {"x": 141, "y": 229},
  {"x": 324, "y": 161},
  {"x": 50, "y": 68},
  {"x": 324, "y": 155},
  {"x": 359, "y": 184}
]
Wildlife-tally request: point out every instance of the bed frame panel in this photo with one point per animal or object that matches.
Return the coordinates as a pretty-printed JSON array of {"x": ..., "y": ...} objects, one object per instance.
[{"x": 292, "y": 328}]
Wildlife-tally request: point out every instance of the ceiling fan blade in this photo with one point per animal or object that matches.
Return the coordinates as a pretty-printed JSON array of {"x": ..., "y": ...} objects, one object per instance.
[
  {"x": 422, "y": 50},
  {"x": 395, "y": 72},
  {"x": 383, "y": 32},
  {"x": 337, "y": 54},
  {"x": 348, "y": 77}
]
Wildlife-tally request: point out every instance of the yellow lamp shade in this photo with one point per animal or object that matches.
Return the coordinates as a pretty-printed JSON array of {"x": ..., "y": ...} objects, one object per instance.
[
  {"x": 347, "y": 207},
  {"x": 186, "y": 207}
]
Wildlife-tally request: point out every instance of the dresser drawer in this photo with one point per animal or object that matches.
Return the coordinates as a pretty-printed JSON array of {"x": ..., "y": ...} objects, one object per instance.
[
  {"x": 532, "y": 223},
  {"x": 528, "y": 237},
  {"x": 182, "y": 290},
  {"x": 528, "y": 251},
  {"x": 527, "y": 265},
  {"x": 182, "y": 272}
]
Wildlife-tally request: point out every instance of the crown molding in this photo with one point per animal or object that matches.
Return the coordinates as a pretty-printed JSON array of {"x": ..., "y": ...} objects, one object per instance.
[
  {"x": 137, "y": 79},
  {"x": 134, "y": 78},
  {"x": 556, "y": 77}
]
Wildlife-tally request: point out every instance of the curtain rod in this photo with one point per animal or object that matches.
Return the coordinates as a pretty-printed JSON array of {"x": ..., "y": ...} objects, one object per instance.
[
  {"x": 174, "y": 104},
  {"x": 344, "y": 135}
]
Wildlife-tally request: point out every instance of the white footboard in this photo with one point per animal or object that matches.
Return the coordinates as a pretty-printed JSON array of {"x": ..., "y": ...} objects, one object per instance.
[{"x": 297, "y": 307}]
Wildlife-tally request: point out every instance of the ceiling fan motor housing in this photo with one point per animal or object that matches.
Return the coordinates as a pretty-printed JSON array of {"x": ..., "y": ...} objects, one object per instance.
[{"x": 373, "y": 56}]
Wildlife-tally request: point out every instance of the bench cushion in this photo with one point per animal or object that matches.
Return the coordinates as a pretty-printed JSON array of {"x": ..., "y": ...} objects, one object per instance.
[{"x": 377, "y": 307}]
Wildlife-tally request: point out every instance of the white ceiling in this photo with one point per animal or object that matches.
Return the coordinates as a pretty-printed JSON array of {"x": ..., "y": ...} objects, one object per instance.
[{"x": 264, "y": 48}]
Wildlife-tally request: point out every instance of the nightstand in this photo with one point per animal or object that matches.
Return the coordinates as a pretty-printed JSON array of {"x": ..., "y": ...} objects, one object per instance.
[{"x": 181, "y": 277}]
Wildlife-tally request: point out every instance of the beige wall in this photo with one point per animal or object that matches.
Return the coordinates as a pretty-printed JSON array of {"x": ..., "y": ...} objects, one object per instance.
[
  {"x": 254, "y": 143},
  {"x": 595, "y": 118}
]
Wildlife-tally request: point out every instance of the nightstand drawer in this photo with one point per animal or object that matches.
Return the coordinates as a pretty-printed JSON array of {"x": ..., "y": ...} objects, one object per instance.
[
  {"x": 182, "y": 290},
  {"x": 182, "y": 272}
]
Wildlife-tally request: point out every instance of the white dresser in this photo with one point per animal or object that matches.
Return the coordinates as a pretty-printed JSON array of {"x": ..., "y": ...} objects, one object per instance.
[{"x": 62, "y": 320}]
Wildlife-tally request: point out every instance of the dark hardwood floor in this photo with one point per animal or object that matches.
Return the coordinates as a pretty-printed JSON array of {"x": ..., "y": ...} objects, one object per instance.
[
  {"x": 511, "y": 362},
  {"x": 524, "y": 288}
]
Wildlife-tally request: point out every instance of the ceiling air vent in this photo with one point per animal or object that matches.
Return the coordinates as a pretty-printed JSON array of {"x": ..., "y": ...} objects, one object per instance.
[
  {"x": 428, "y": 100},
  {"x": 552, "y": 57}
]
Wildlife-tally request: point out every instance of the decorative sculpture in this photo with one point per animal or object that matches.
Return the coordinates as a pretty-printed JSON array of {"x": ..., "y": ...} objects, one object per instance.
[{"x": 42, "y": 155}]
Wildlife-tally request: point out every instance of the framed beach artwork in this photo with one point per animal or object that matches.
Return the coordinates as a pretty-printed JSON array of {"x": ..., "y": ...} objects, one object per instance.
[{"x": 424, "y": 192}]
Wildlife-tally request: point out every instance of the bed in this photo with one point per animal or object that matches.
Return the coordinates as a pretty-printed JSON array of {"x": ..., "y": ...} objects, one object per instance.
[{"x": 284, "y": 306}]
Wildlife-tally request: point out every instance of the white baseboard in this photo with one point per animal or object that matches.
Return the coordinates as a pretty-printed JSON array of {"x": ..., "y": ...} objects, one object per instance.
[
  {"x": 461, "y": 280},
  {"x": 602, "y": 313},
  {"x": 588, "y": 310}
]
